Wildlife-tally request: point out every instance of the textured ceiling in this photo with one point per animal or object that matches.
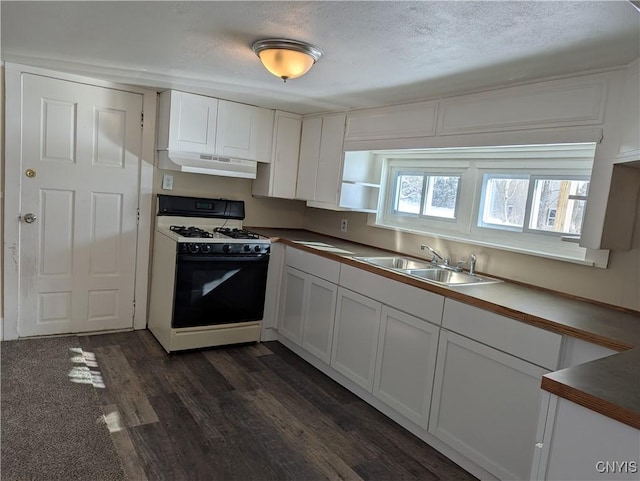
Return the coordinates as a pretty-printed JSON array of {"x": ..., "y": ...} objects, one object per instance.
[{"x": 375, "y": 53}]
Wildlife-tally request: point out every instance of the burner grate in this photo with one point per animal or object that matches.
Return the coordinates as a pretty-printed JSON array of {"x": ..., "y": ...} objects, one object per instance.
[
  {"x": 190, "y": 231},
  {"x": 236, "y": 233}
]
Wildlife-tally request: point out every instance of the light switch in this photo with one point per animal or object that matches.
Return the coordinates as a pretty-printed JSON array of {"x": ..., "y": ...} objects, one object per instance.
[{"x": 167, "y": 182}]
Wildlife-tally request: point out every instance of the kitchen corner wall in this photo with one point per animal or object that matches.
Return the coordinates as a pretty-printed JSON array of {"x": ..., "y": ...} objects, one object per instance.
[
  {"x": 618, "y": 285},
  {"x": 260, "y": 212}
]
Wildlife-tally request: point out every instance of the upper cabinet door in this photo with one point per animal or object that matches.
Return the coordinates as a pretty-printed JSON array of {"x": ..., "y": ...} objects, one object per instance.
[
  {"x": 285, "y": 155},
  {"x": 309, "y": 154},
  {"x": 244, "y": 131},
  {"x": 329, "y": 173},
  {"x": 192, "y": 122}
]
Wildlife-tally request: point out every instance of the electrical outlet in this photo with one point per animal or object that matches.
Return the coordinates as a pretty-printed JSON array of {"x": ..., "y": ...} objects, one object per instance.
[
  {"x": 343, "y": 225},
  {"x": 167, "y": 182}
]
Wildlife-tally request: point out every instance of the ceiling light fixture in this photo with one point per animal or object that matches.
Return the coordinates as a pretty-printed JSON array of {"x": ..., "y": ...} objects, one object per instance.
[{"x": 286, "y": 58}]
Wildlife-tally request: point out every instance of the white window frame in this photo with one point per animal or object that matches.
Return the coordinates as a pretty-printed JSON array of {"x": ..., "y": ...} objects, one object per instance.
[
  {"x": 530, "y": 206},
  {"x": 566, "y": 161},
  {"x": 420, "y": 222}
]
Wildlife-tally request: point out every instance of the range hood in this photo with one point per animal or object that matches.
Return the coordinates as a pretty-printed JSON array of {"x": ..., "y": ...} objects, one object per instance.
[{"x": 207, "y": 164}]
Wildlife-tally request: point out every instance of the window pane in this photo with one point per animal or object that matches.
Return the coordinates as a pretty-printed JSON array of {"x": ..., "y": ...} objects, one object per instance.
[
  {"x": 441, "y": 193},
  {"x": 409, "y": 193},
  {"x": 552, "y": 210},
  {"x": 505, "y": 201}
]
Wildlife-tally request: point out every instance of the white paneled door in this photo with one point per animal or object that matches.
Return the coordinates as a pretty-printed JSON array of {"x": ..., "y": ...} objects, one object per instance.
[{"x": 81, "y": 150}]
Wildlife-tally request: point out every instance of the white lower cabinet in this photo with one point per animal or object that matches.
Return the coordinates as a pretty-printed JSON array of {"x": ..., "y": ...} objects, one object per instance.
[
  {"x": 355, "y": 337},
  {"x": 292, "y": 304},
  {"x": 319, "y": 312},
  {"x": 405, "y": 365},
  {"x": 485, "y": 405},
  {"x": 308, "y": 309}
]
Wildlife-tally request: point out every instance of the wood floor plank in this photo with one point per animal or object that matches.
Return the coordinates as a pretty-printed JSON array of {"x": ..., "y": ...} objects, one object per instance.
[
  {"x": 410, "y": 445},
  {"x": 192, "y": 448},
  {"x": 326, "y": 461},
  {"x": 316, "y": 378},
  {"x": 259, "y": 349},
  {"x": 234, "y": 373},
  {"x": 265, "y": 445},
  {"x": 157, "y": 453},
  {"x": 122, "y": 387},
  {"x": 204, "y": 408},
  {"x": 242, "y": 356},
  {"x": 203, "y": 372},
  {"x": 133, "y": 468},
  {"x": 350, "y": 449}
]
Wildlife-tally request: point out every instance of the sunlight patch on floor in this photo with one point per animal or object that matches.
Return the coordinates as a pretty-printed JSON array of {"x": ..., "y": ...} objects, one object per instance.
[{"x": 83, "y": 374}]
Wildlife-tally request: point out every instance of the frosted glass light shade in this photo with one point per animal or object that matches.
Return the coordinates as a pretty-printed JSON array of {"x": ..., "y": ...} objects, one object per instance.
[{"x": 286, "y": 59}]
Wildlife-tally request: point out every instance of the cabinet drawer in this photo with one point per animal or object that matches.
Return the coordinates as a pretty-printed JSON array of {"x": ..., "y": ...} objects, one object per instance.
[
  {"x": 509, "y": 335},
  {"x": 420, "y": 303},
  {"x": 312, "y": 264}
]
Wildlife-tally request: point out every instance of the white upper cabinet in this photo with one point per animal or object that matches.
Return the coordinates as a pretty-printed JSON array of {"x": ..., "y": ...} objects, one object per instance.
[
  {"x": 320, "y": 163},
  {"x": 278, "y": 178},
  {"x": 396, "y": 122},
  {"x": 204, "y": 125},
  {"x": 555, "y": 103},
  {"x": 244, "y": 131},
  {"x": 187, "y": 122}
]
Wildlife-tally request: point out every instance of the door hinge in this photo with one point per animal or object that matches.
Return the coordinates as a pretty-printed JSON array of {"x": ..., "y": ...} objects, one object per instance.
[
  {"x": 141, "y": 119},
  {"x": 133, "y": 312},
  {"x": 138, "y": 217}
]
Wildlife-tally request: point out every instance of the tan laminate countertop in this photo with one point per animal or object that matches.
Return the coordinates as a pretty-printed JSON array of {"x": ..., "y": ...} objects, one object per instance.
[{"x": 610, "y": 386}]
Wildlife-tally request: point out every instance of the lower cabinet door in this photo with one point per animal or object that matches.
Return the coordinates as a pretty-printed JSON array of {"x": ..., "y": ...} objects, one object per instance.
[
  {"x": 355, "y": 337},
  {"x": 292, "y": 304},
  {"x": 485, "y": 405},
  {"x": 319, "y": 316},
  {"x": 405, "y": 365}
]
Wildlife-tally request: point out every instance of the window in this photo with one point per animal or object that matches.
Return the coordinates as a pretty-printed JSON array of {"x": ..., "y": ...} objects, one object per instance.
[
  {"x": 551, "y": 205},
  {"x": 504, "y": 201},
  {"x": 528, "y": 198},
  {"x": 426, "y": 195},
  {"x": 557, "y": 205}
]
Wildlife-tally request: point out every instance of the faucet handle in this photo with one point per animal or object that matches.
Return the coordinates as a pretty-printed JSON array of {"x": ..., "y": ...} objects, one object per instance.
[{"x": 472, "y": 264}]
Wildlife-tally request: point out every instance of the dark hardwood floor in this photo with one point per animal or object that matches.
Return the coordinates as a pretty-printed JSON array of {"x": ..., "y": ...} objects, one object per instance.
[{"x": 251, "y": 412}]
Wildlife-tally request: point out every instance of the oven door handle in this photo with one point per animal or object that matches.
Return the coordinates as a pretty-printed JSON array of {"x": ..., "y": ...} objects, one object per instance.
[{"x": 223, "y": 258}]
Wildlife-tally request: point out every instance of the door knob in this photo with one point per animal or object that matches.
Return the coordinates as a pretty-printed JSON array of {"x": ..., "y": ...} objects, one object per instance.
[{"x": 29, "y": 218}]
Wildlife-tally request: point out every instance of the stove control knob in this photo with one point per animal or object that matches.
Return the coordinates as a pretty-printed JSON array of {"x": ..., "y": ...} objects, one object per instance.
[
  {"x": 194, "y": 248},
  {"x": 247, "y": 247},
  {"x": 205, "y": 248},
  {"x": 256, "y": 248},
  {"x": 226, "y": 248}
]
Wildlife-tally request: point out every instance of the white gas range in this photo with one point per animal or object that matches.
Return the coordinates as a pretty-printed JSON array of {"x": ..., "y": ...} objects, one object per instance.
[{"x": 209, "y": 275}]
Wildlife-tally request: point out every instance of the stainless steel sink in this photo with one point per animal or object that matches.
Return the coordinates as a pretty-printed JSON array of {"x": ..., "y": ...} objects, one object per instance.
[
  {"x": 399, "y": 263},
  {"x": 426, "y": 271},
  {"x": 449, "y": 278}
]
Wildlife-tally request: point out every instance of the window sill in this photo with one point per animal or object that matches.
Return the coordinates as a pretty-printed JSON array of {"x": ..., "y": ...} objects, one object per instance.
[{"x": 591, "y": 258}]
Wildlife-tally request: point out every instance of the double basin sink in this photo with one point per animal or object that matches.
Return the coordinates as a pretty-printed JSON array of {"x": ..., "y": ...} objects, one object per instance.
[{"x": 426, "y": 271}]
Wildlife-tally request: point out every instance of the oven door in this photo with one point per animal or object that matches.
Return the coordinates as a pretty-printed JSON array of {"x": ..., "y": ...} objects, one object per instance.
[{"x": 219, "y": 289}]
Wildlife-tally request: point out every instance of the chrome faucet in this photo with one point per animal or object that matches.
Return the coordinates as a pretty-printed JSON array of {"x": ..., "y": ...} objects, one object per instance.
[{"x": 436, "y": 257}]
